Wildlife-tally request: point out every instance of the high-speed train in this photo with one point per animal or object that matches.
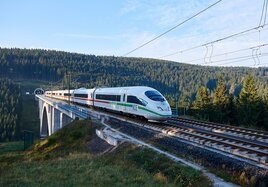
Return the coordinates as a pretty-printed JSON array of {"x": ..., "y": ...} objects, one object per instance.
[{"x": 136, "y": 100}]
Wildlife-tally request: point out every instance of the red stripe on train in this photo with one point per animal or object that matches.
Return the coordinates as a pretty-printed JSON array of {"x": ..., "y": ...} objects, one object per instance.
[{"x": 85, "y": 99}]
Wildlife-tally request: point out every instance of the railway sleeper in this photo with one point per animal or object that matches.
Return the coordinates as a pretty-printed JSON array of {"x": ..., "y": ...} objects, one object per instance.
[
  {"x": 208, "y": 143},
  {"x": 184, "y": 136},
  {"x": 214, "y": 145},
  {"x": 222, "y": 148},
  {"x": 164, "y": 131},
  {"x": 227, "y": 148},
  {"x": 235, "y": 151},
  {"x": 263, "y": 159},
  {"x": 252, "y": 156}
]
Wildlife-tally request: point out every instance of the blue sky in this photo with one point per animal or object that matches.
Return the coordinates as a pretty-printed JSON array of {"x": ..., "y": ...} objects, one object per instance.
[{"x": 114, "y": 27}]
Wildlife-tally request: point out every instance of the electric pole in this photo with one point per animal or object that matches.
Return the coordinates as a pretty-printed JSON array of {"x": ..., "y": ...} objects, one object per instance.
[{"x": 69, "y": 85}]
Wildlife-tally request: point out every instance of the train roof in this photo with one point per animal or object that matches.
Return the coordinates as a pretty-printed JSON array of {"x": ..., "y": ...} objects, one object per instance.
[
  {"x": 112, "y": 90},
  {"x": 131, "y": 89}
]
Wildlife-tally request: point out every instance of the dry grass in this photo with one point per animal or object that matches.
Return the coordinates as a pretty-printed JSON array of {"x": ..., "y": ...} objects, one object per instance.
[{"x": 64, "y": 160}]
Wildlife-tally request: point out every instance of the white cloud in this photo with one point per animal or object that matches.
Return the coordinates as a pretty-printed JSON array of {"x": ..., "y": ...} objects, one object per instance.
[
  {"x": 129, "y": 6},
  {"x": 42, "y": 47},
  {"x": 225, "y": 19}
]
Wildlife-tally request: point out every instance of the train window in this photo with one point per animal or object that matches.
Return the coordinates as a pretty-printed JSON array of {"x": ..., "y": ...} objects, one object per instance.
[
  {"x": 134, "y": 99},
  {"x": 81, "y": 95},
  {"x": 124, "y": 97},
  {"x": 154, "y": 95},
  {"x": 108, "y": 97},
  {"x": 53, "y": 93},
  {"x": 67, "y": 94}
]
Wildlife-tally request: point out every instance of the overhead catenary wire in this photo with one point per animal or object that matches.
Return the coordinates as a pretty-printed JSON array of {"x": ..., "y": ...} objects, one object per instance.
[
  {"x": 239, "y": 59},
  {"x": 242, "y": 60},
  {"x": 256, "y": 51},
  {"x": 255, "y": 29},
  {"x": 266, "y": 9},
  {"x": 227, "y": 53},
  {"x": 263, "y": 13},
  {"x": 195, "y": 15}
]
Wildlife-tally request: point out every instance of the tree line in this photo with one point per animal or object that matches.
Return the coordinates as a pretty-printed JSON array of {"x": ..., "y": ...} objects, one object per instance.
[
  {"x": 249, "y": 108},
  {"x": 170, "y": 78},
  {"x": 198, "y": 88},
  {"x": 10, "y": 109}
]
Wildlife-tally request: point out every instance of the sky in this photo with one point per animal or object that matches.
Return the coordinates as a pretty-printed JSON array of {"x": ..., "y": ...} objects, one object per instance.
[{"x": 115, "y": 27}]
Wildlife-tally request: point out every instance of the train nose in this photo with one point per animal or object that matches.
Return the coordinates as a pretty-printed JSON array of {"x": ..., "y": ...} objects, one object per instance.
[{"x": 163, "y": 107}]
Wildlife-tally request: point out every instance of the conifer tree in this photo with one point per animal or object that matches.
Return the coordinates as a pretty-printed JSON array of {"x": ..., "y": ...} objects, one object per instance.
[
  {"x": 203, "y": 102},
  {"x": 220, "y": 101},
  {"x": 265, "y": 103},
  {"x": 249, "y": 103},
  {"x": 10, "y": 105},
  {"x": 231, "y": 110}
]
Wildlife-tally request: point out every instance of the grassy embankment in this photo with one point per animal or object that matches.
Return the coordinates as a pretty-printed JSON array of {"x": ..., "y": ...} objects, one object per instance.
[{"x": 65, "y": 159}]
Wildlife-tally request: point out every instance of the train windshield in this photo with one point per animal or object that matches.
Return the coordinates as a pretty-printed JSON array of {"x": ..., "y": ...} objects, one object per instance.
[{"x": 154, "y": 95}]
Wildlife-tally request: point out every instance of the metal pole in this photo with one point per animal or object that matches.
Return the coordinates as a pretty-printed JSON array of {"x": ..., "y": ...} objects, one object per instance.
[
  {"x": 176, "y": 99},
  {"x": 51, "y": 89},
  {"x": 69, "y": 101}
]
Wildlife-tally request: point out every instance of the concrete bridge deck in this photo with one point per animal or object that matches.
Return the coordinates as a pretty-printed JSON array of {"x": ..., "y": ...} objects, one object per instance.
[{"x": 55, "y": 114}]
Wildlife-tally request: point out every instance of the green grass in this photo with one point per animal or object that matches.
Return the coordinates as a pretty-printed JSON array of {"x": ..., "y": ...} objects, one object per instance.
[
  {"x": 70, "y": 139},
  {"x": 31, "y": 85},
  {"x": 63, "y": 160},
  {"x": 11, "y": 146}
]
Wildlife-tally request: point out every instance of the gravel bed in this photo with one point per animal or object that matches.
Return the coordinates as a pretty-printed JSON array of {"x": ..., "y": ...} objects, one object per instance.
[{"x": 208, "y": 159}]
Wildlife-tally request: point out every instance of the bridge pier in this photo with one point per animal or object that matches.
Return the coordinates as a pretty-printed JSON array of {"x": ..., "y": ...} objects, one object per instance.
[
  {"x": 51, "y": 118},
  {"x": 65, "y": 120},
  {"x": 56, "y": 115}
]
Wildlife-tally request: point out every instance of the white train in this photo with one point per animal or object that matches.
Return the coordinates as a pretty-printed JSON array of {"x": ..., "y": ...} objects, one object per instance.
[{"x": 136, "y": 100}]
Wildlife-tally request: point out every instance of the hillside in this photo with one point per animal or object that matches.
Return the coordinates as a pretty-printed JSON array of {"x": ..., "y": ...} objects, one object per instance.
[
  {"x": 91, "y": 71},
  {"x": 10, "y": 110},
  {"x": 73, "y": 156},
  {"x": 227, "y": 103}
]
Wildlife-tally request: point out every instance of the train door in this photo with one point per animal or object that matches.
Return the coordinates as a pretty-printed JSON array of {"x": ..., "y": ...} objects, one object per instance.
[{"x": 124, "y": 100}]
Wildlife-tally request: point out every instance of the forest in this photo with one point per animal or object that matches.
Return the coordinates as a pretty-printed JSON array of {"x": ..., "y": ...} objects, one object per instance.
[
  {"x": 170, "y": 78},
  {"x": 249, "y": 109},
  {"x": 211, "y": 93},
  {"x": 10, "y": 109}
]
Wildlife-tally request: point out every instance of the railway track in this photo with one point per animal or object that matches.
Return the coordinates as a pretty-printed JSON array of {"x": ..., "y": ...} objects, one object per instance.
[
  {"x": 205, "y": 136},
  {"x": 250, "y": 134},
  {"x": 227, "y": 144},
  {"x": 243, "y": 148},
  {"x": 232, "y": 145}
]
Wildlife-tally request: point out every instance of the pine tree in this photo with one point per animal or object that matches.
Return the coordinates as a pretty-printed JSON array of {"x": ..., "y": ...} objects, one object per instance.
[
  {"x": 249, "y": 103},
  {"x": 10, "y": 103},
  {"x": 184, "y": 102},
  {"x": 203, "y": 102},
  {"x": 231, "y": 110},
  {"x": 220, "y": 102},
  {"x": 265, "y": 103}
]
